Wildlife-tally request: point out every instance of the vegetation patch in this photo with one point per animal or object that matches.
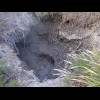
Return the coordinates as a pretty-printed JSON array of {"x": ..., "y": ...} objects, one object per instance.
[
  {"x": 7, "y": 79},
  {"x": 85, "y": 68}
]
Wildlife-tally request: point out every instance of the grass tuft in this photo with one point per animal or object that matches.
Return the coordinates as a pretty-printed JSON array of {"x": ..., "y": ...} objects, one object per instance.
[
  {"x": 86, "y": 69},
  {"x": 6, "y": 77}
]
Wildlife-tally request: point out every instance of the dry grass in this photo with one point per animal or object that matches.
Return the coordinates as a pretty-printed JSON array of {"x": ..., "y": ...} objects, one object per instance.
[{"x": 77, "y": 19}]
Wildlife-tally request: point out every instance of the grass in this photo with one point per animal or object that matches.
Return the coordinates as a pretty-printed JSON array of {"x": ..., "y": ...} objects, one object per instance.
[
  {"x": 86, "y": 70},
  {"x": 6, "y": 77}
]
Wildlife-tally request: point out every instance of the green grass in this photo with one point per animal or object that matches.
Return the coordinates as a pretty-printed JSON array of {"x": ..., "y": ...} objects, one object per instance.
[
  {"x": 86, "y": 70},
  {"x": 6, "y": 77}
]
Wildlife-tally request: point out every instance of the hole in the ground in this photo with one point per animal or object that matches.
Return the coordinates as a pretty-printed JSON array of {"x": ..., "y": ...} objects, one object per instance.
[
  {"x": 33, "y": 52},
  {"x": 42, "y": 56}
]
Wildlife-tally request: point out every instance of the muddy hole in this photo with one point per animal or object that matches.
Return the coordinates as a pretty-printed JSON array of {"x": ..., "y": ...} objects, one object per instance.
[{"x": 36, "y": 53}]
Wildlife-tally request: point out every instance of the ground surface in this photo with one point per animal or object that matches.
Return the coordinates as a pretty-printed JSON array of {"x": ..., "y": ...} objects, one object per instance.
[{"x": 33, "y": 44}]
